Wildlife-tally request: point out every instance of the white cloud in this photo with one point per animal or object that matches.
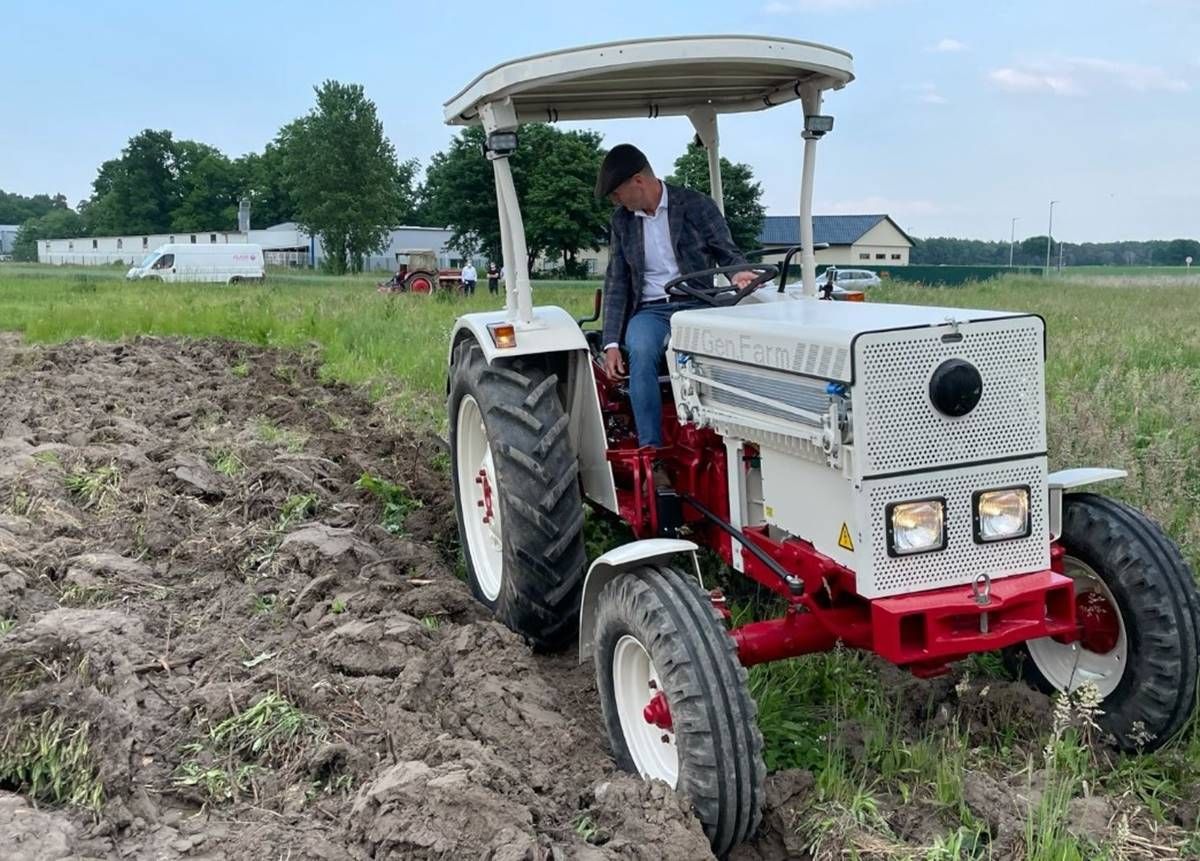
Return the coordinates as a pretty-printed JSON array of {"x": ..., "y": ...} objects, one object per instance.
[
  {"x": 1017, "y": 81},
  {"x": 780, "y": 7},
  {"x": 927, "y": 93},
  {"x": 1076, "y": 76},
  {"x": 948, "y": 46}
]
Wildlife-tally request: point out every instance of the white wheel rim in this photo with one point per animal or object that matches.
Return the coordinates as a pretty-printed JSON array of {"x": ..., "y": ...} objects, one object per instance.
[
  {"x": 478, "y": 497},
  {"x": 1066, "y": 666},
  {"x": 635, "y": 681}
]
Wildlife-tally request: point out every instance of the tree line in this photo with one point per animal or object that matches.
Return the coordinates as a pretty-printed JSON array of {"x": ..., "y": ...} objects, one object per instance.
[
  {"x": 945, "y": 250},
  {"x": 335, "y": 173}
]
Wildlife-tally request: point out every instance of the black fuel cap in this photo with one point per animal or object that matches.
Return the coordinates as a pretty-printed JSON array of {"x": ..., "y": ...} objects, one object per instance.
[{"x": 955, "y": 387}]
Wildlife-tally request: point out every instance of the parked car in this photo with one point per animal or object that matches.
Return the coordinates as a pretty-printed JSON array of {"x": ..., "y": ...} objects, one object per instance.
[{"x": 855, "y": 279}]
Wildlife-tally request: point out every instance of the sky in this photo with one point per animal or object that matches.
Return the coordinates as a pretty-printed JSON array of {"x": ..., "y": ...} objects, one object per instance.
[{"x": 963, "y": 114}]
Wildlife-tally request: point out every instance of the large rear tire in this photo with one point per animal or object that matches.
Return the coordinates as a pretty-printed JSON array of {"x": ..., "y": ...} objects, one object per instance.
[
  {"x": 517, "y": 496},
  {"x": 676, "y": 701},
  {"x": 1139, "y": 611}
]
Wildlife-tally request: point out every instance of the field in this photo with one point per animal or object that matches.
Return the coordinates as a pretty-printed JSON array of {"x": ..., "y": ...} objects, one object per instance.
[{"x": 230, "y": 624}]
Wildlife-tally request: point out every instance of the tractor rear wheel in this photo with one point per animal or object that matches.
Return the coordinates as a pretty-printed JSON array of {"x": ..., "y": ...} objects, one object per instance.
[
  {"x": 517, "y": 497},
  {"x": 1139, "y": 616},
  {"x": 676, "y": 701}
]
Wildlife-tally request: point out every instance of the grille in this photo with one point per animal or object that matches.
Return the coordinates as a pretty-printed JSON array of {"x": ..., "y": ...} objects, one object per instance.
[
  {"x": 962, "y": 560},
  {"x": 794, "y": 392},
  {"x": 900, "y": 429}
]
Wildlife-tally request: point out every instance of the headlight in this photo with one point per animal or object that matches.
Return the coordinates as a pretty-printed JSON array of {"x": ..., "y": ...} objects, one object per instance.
[
  {"x": 1001, "y": 514},
  {"x": 916, "y": 527}
]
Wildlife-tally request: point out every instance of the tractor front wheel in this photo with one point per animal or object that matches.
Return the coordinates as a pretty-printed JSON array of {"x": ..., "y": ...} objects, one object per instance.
[
  {"x": 675, "y": 699},
  {"x": 517, "y": 497},
  {"x": 1139, "y": 620}
]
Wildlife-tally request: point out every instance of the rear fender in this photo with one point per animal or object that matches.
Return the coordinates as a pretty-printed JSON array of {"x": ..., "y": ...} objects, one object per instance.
[{"x": 612, "y": 564}]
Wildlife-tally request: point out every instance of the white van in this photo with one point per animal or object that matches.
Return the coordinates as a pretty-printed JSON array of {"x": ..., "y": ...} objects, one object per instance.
[{"x": 228, "y": 263}]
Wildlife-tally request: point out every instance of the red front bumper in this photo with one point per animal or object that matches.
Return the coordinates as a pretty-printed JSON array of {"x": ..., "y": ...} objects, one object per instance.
[{"x": 926, "y": 630}]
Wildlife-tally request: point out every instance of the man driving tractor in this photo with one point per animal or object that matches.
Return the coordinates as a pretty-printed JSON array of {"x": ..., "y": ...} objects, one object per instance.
[{"x": 658, "y": 231}]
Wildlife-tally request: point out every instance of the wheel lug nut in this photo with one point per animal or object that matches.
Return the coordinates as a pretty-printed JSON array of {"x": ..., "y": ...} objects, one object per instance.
[
  {"x": 653, "y": 685},
  {"x": 666, "y": 739},
  {"x": 479, "y": 503}
]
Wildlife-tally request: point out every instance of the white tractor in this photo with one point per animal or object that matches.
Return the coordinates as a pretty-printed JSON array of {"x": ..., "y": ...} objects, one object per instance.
[{"x": 882, "y": 468}]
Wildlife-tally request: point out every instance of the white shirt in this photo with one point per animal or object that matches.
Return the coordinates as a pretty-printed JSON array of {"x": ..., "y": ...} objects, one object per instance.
[
  {"x": 661, "y": 265},
  {"x": 468, "y": 273}
]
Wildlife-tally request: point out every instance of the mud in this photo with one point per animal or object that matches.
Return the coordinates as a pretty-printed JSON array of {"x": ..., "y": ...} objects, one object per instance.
[{"x": 181, "y": 536}]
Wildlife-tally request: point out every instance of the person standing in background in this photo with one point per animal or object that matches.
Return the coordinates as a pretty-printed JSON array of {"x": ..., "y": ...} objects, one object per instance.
[
  {"x": 469, "y": 277},
  {"x": 493, "y": 276}
]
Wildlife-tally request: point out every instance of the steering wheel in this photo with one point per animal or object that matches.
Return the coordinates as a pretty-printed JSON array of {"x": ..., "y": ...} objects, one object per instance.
[{"x": 720, "y": 295}]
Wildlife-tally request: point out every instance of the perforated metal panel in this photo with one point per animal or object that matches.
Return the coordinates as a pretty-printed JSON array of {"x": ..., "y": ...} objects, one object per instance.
[
  {"x": 963, "y": 559},
  {"x": 898, "y": 428}
]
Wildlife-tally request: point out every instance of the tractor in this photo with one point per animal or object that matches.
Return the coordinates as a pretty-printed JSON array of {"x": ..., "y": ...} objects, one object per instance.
[
  {"x": 417, "y": 272},
  {"x": 881, "y": 468}
]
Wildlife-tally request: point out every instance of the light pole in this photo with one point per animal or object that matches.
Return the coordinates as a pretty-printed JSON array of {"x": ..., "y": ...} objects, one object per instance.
[
  {"x": 1012, "y": 238},
  {"x": 1049, "y": 234}
]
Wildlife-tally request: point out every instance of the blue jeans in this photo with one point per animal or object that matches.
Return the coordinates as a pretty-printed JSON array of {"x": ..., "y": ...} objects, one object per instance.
[{"x": 646, "y": 337}]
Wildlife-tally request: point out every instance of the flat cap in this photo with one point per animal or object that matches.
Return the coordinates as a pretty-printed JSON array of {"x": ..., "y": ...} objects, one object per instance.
[{"x": 622, "y": 162}]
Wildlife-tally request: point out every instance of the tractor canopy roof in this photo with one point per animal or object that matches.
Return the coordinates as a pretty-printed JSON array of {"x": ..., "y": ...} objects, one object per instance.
[{"x": 655, "y": 77}]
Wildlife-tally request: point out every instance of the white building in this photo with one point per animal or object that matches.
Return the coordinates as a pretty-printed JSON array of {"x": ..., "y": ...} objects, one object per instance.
[
  {"x": 8, "y": 237},
  {"x": 856, "y": 241},
  {"x": 283, "y": 245}
]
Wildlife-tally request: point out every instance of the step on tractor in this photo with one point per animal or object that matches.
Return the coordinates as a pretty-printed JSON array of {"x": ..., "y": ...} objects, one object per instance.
[{"x": 881, "y": 468}]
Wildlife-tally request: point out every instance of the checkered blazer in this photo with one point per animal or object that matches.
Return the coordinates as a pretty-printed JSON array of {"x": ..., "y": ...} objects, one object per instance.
[{"x": 699, "y": 236}]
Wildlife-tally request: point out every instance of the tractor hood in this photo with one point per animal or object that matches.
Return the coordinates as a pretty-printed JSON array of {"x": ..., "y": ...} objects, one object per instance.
[{"x": 806, "y": 336}]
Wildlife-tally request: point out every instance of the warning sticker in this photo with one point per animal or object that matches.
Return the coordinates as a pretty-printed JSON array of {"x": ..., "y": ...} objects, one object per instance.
[{"x": 844, "y": 540}]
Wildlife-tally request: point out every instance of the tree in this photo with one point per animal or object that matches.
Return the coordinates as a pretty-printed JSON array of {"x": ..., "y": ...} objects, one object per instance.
[
  {"x": 207, "y": 189},
  {"x": 58, "y": 223},
  {"x": 743, "y": 207},
  {"x": 136, "y": 192},
  {"x": 264, "y": 180},
  {"x": 343, "y": 175},
  {"x": 17, "y": 209},
  {"x": 554, "y": 173}
]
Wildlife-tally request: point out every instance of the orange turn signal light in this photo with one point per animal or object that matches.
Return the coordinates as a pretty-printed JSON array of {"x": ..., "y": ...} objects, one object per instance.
[{"x": 504, "y": 335}]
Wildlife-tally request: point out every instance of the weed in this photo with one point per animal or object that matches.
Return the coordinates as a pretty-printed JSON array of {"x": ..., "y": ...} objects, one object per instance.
[
  {"x": 441, "y": 462},
  {"x": 431, "y": 622},
  {"x": 227, "y": 462},
  {"x": 586, "y": 828},
  {"x": 264, "y": 604},
  {"x": 48, "y": 457},
  {"x": 77, "y": 595},
  {"x": 337, "y": 606},
  {"x": 94, "y": 488},
  {"x": 296, "y": 508},
  {"x": 7, "y": 625},
  {"x": 397, "y": 504},
  {"x": 241, "y": 369},
  {"x": 272, "y": 434},
  {"x": 51, "y": 760},
  {"x": 271, "y": 732},
  {"x": 285, "y": 373}
]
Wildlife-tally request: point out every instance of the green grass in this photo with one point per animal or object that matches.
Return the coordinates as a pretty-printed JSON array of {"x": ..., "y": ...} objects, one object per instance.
[{"x": 51, "y": 760}]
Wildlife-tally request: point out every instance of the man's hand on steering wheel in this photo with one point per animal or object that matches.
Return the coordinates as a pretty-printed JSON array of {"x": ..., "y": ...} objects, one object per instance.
[
  {"x": 744, "y": 280},
  {"x": 741, "y": 279}
]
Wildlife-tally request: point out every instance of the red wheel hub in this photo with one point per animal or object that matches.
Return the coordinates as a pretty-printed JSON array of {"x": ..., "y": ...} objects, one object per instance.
[
  {"x": 1099, "y": 625},
  {"x": 657, "y": 712},
  {"x": 486, "y": 502}
]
